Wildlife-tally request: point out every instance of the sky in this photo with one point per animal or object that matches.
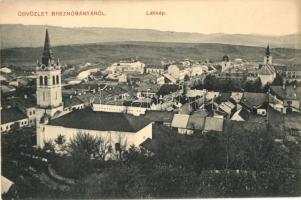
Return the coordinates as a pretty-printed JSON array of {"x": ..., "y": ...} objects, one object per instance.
[{"x": 265, "y": 17}]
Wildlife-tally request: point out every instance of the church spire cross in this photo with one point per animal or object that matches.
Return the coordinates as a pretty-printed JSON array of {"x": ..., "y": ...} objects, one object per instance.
[{"x": 47, "y": 53}]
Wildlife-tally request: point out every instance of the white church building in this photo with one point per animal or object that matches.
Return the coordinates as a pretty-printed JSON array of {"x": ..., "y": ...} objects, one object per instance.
[
  {"x": 267, "y": 72},
  {"x": 116, "y": 128}
]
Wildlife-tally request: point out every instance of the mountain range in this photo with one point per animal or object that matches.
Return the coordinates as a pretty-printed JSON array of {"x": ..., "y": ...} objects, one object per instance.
[{"x": 18, "y": 35}]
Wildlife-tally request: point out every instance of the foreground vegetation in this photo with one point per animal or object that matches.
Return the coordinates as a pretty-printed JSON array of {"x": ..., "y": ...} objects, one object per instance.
[{"x": 232, "y": 164}]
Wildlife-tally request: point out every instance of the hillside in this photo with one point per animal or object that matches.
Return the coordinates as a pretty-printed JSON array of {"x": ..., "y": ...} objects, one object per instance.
[
  {"x": 148, "y": 52},
  {"x": 17, "y": 35}
]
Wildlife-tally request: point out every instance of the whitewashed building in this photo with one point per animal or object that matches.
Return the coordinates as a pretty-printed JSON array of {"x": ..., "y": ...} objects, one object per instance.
[
  {"x": 155, "y": 69},
  {"x": 123, "y": 66},
  {"x": 124, "y": 129},
  {"x": 267, "y": 73},
  {"x": 119, "y": 109}
]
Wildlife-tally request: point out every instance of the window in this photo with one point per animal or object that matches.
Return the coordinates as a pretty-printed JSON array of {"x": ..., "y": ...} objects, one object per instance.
[
  {"x": 33, "y": 112},
  {"x": 45, "y": 80},
  {"x": 53, "y": 80},
  {"x": 57, "y": 79},
  {"x": 117, "y": 147},
  {"x": 43, "y": 96},
  {"x": 30, "y": 113},
  {"x": 41, "y": 80},
  {"x": 110, "y": 149},
  {"x": 55, "y": 95}
]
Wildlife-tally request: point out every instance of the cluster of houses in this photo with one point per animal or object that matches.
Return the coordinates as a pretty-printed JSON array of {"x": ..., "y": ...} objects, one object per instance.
[
  {"x": 11, "y": 81},
  {"x": 132, "y": 96},
  {"x": 172, "y": 73},
  {"x": 18, "y": 112},
  {"x": 240, "y": 71}
]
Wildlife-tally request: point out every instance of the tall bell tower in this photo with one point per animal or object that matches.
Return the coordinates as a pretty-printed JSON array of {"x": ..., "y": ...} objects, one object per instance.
[{"x": 49, "y": 88}]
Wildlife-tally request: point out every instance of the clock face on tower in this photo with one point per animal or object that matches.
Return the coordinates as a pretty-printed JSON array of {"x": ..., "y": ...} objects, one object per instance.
[{"x": 43, "y": 66}]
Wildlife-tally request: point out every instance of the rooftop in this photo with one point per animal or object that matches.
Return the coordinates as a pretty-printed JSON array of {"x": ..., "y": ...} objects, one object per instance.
[
  {"x": 11, "y": 115},
  {"x": 87, "y": 97},
  {"x": 167, "y": 89},
  {"x": 101, "y": 121},
  {"x": 267, "y": 70},
  {"x": 196, "y": 122},
  {"x": 68, "y": 102},
  {"x": 214, "y": 124},
  {"x": 143, "y": 87},
  {"x": 28, "y": 103},
  {"x": 289, "y": 92},
  {"x": 293, "y": 67},
  {"x": 159, "y": 116},
  {"x": 180, "y": 121},
  {"x": 254, "y": 99},
  {"x": 293, "y": 121},
  {"x": 224, "y": 96},
  {"x": 155, "y": 67}
]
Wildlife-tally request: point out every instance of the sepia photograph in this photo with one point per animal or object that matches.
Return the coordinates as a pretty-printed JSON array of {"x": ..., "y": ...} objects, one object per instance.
[{"x": 150, "y": 99}]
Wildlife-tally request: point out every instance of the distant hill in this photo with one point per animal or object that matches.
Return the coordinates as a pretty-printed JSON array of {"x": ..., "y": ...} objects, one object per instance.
[
  {"x": 17, "y": 35},
  {"x": 148, "y": 52}
]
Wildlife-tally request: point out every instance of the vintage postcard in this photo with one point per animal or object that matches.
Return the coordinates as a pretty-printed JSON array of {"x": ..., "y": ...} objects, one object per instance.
[{"x": 150, "y": 99}]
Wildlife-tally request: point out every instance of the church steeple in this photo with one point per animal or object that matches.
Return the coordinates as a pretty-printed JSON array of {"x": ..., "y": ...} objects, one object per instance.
[
  {"x": 268, "y": 56},
  {"x": 47, "y": 53},
  {"x": 49, "y": 89},
  {"x": 267, "y": 53}
]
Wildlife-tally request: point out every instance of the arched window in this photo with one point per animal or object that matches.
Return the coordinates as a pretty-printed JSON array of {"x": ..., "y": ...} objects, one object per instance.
[
  {"x": 45, "y": 80},
  {"x": 57, "y": 79},
  {"x": 53, "y": 80},
  {"x": 41, "y": 80}
]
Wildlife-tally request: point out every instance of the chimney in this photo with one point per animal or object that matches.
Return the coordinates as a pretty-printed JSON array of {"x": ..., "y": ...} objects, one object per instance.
[
  {"x": 294, "y": 85},
  {"x": 283, "y": 86},
  {"x": 25, "y": 96}
]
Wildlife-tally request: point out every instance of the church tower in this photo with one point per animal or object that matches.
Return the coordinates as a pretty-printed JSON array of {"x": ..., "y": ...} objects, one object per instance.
[
  {"x": 267, "y": 57},
  {"x": 49, "y": 88}
]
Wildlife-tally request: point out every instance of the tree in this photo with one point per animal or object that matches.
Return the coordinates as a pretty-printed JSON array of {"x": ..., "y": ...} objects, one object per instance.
[
  {"x": 85, "y": 149},
  {"x": 278, "y": 80},
  {"x": 253, "y": 86},
  {"x": 85, "y": 144},
  {"x": 81, "y": 148}
]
